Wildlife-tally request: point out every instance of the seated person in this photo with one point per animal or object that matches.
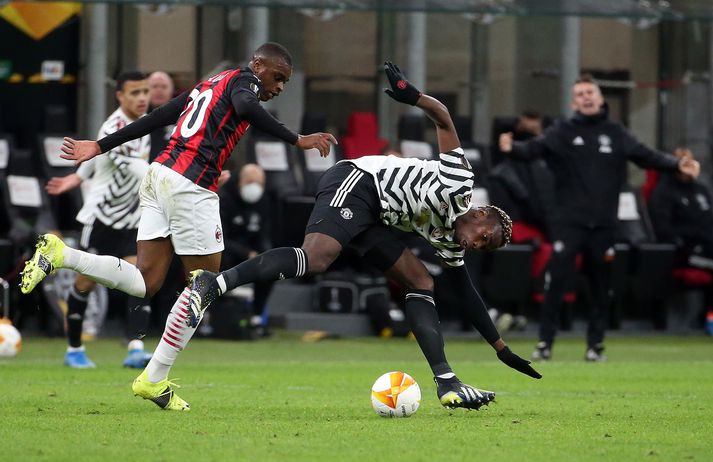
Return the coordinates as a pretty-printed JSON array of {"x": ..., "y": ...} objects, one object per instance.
[
  {"x": 246, "y": 225},
  {"x": 526, "y": 192},
  {"x": 680, "y": 209}
]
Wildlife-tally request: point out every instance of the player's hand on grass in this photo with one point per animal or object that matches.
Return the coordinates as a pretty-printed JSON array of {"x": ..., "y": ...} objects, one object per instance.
[
  {"x": 401, "y": 89},
  {"x": 79, "y": 150},
  {"x": 61, "y": 184},
  {"x": 320, "y": 141},
  {"x": 519, "y": 364}
]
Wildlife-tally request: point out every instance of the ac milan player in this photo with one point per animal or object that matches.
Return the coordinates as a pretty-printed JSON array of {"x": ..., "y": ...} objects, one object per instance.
[{"x": 179, "y": 205}]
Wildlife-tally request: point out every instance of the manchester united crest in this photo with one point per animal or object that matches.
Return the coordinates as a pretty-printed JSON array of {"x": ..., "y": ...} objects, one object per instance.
[{"x": 346, "y": 213}]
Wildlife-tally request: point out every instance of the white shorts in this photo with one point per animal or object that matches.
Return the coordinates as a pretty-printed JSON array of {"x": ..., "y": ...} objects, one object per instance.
[{"x": 172, "y": 205}]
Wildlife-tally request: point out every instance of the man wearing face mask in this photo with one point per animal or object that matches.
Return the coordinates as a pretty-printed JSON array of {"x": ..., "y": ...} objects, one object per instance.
[{"x": 246, "y": 224}]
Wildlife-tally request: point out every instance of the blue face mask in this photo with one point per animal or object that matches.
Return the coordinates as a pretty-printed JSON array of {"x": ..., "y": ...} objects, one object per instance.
[{"x": 251, "y": 192}]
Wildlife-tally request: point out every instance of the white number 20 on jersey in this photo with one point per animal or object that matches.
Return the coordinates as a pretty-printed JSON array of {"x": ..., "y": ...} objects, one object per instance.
[{"x": 195, "y": 112}]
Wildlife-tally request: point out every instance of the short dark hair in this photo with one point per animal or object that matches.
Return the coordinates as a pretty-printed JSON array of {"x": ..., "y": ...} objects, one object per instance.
[
  {"x": 274, "y": 50},
  {"x": 127, "y": 76},
  {"x": 505, "y": 222},
  {"x": 530, "y": 114}
]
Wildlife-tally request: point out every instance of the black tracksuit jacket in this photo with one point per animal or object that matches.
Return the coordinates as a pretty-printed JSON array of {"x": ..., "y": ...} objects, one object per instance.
[{"x": 588, "y": 156}]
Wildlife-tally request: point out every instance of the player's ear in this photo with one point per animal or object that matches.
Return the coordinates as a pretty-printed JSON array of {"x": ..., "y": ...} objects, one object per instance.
[{"x": 258, "y": 63}]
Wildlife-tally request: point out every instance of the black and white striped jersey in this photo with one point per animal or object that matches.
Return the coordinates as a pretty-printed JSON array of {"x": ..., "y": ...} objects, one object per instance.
[
  {"x": 113, "y": 196},
  {"x": 424, "y": 196}
]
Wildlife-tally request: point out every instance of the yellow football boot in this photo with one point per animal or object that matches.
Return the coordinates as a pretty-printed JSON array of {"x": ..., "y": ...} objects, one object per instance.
[
  {"x": 47, "y": 258},
  {"x": 160, "y": 393}
]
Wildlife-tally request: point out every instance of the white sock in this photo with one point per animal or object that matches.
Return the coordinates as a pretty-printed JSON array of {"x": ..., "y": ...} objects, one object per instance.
[
  {"x": 71, "y": 349},
  {"x": 175, "y": 338},
  {"x": 111, "y": 272}
]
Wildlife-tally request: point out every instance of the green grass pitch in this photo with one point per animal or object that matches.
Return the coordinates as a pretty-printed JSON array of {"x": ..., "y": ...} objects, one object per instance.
[{"x": 283, "y": 399}]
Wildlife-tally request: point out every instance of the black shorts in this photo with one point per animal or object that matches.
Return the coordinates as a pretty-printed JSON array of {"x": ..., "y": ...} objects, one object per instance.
[
  {"x": 101, "y": 239},
  {"x": 347, "y": 208}
]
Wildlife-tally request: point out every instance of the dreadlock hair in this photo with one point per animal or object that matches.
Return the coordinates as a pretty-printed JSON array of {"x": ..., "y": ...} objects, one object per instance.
[{"x": 505, "y": 222}]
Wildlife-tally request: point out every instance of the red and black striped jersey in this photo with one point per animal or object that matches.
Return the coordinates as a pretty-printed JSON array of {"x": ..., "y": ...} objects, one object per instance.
[
  {"x": 209, "y": 127},
  {"x": 208, "y": 123}
]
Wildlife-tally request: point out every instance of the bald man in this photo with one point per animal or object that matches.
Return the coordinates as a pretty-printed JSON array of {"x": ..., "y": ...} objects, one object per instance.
[
  {"x": 246, "y": 227},
  {"x": 160, "y": 92},
  {"x": 160, "y": 88}
]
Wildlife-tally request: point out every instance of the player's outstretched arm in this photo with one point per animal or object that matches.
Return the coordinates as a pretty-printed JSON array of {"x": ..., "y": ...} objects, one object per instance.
[
  {"x": 247, "y": 106},
  {"x": 477, "y": 312},
  {"x": 82, "y": 150},
  {"x": 405, "y": 92}
]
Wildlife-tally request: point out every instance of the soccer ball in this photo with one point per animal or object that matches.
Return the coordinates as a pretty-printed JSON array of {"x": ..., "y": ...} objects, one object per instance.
[
  {"x": 10, "y": 339},
  {"x": 395, "y": 394}
]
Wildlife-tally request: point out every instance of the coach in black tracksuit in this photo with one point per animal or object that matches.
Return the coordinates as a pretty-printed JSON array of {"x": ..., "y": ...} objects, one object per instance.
[{"x": 588, "y": 157}]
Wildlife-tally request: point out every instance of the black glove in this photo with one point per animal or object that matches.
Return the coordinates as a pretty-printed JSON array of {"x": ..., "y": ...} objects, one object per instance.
[
  {"x": 401, "y": 89},
  {"x": 521, "y": 365}
]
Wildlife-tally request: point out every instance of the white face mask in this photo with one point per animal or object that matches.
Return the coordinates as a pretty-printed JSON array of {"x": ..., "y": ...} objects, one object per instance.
[{"x": 251, "y": 192}]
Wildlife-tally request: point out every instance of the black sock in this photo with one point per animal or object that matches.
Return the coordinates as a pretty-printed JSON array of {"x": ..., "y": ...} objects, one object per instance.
[
  {"x": 281, "y": 263},
  {"x": 76, "y": 306},
  {"x": 423, "y": 321},
  {"x": 138, "y": 317}
]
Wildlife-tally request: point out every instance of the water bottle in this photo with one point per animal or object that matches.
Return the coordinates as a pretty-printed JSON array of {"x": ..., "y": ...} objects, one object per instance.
[{"x": 709, "y": 322}]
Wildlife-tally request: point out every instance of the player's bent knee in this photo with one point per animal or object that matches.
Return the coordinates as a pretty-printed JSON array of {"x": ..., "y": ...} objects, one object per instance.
[
  {"x": 420, "y": 282},
  {"x": 153, "y": 284},
  {"x": 319, "y": 261},
  {"x": 318, "y": 265}
]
